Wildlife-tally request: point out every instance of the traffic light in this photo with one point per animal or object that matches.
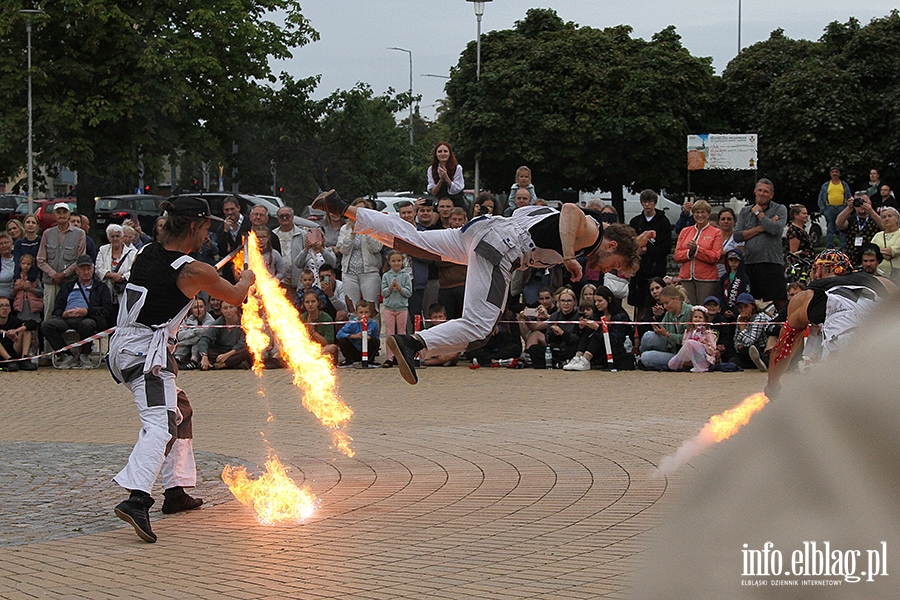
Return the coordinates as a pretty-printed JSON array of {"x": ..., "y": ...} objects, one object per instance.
[
  {"x": 280, "y": 191},
  {"x": 146, "y": 189}
]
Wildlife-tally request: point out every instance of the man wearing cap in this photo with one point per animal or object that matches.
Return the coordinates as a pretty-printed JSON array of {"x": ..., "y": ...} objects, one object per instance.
[
  {"x": 164, "y": 280},
  {"x": 56, "y": 255},
  {"x": 833, "y": 195},
  {"x": 84, "y": 305}
]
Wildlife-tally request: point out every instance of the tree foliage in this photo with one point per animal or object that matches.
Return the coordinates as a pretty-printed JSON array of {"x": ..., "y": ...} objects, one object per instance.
[{"x": 584, "y": 108}]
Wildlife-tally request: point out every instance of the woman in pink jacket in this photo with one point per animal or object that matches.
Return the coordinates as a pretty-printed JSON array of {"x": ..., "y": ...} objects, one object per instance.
[{"x": 698, "y": 251}]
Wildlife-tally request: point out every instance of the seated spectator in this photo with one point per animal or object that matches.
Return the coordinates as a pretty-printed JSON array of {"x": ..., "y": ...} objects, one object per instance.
[
  {"x": 698, "y": 346},
  {"x": 504, "y": 343},
  {"x": 654, "y": 311},
  {"x": 750, "y": 336},
  {"x": 308, "y": 284},
  {"x": 592, "y": 342},
  {"x": 15, "y": 339},
  {"x": 334, "y": 305},
  {"x": 319, "y": 325},
  {"x": 28, "y": 292},
  {"x": 734, "y": 283},
  {"x": 187, "y": 354},
  {"x": 224, "y": 345},
  {"x": 561, "y": 335},
  {"x": 532, "y": 320},
  {"x": 437, "y": 315},
  {"x": 660, "y": 345},
  {"x": 214, "y": 307},
  {"x": 724, "y": 330},
  {"x": 83, "y": 304},
  {"x": 271, "y": 257},
  {"x": 349, "y": 338}
]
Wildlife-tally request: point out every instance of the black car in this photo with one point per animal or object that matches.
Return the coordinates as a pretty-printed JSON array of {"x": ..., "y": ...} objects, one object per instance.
[
  {"x": 8, "y": 205},
  {"x": 117, "y": 209}
]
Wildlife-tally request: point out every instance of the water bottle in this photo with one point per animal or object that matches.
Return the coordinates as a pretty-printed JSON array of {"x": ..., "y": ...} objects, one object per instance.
[{"x": 548, "y": 357}]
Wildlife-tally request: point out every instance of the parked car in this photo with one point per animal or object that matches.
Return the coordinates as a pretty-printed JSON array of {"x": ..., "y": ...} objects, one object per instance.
[
  {"x": 43, "y": 210},
  {"x": 144, "y": 208},
  {"x": 8, "y": 205},
  {"x": 247, "y": 202}
]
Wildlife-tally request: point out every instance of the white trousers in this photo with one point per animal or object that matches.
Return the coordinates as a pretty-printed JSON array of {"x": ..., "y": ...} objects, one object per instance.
[{"x": 487, "y": 280}]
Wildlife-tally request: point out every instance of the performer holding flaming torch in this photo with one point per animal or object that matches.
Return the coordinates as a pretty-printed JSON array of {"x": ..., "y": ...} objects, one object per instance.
[
  {"x": 493, "y": 247},
  {"x": 163, "y": 282}
]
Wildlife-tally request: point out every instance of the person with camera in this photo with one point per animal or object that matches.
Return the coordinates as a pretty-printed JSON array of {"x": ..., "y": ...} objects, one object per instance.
[
  {"x": 860, "y": 223},
  {"x": 833, "y": 194}
]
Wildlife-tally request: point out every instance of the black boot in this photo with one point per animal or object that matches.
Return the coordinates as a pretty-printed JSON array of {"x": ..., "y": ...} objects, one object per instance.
[
  {"x": 404, "y": 348},
  {"x": 136, "y": 511},
  {"x": 330, "y": 202},
  {"x": 177, "y": 500}
]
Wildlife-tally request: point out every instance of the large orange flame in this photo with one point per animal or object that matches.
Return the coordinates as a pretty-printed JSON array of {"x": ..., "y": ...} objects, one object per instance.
[
  {"x": 254, "y": 326},
  {"x": 313, "y": 372},
  {"x": 274, "y": 496},
  {"x": 719, "y": 427}
]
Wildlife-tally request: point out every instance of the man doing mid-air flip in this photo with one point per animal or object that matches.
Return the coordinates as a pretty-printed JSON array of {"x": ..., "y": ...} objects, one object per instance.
[{"x": 494, "y": 247}]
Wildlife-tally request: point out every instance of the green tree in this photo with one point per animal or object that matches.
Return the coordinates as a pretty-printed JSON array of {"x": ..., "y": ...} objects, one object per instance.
[
  {"x": 115, "y": 80},
  {"x": 584, "y": 108}
]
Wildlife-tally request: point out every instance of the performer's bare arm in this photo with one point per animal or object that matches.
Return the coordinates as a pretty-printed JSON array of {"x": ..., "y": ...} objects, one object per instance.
[
  {"x": 198, "y": 276},
  {"x": 576, "y": 231},
  {"x": 787, "y": 346}
]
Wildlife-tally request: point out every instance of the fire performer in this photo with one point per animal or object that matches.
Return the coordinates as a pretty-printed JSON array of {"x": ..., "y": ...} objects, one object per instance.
[
  {"x": 494, "y": 247},
  {"x": 163, "y": 282},
  {"x": 838, "y": 300}
]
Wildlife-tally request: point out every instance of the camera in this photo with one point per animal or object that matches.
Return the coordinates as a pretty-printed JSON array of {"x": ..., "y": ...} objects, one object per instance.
[{"x": 858, "y": 199}]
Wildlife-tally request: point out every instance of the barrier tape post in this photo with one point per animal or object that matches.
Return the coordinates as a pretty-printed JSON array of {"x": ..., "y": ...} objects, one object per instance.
[
  {"x": 365, "y": 343},
  {"x": 417, "y": 326},
  {"x": 609, "y": 352}
]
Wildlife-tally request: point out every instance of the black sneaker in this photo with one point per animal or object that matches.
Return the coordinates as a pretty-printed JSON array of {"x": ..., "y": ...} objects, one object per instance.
[
  {"x": 27, "y": 365},
  {"x": 405, "y": 348},
  {"x": 136, "y": 511},
  {"x": 330, "y": 202},
  {"x": 11, "y": 367},
  {"x": 177, "y": 501}
]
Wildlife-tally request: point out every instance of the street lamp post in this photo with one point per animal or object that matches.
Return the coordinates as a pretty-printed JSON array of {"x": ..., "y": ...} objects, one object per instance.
[
  {"x": 739, "y": 26},
  {"x": 479, "y": 11},
  {"x": 30, "y": 14},
  {"x": 410, "y": 91}
]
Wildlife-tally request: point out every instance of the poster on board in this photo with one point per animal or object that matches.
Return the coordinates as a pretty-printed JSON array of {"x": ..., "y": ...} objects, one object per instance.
[{"x": 722, "y": 151}]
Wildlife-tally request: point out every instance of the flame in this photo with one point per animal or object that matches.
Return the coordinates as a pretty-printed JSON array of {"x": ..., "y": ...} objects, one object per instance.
[
  {"x": 313, "y": 372},
  {"x": 719, "y": 427},
  {"x": 253, "y": 325},
  {"x": 274, "y": 496}
]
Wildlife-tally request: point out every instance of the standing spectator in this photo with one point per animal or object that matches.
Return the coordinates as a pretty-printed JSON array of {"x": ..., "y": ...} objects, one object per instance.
[
  {"x": 860, "y": 222},
  {"x": 750, "y": 336},
  {"x": 452, "y": 276},
  {"x": 349, "y": 338},
  {"x": 331, "y": 226},
  {"x": 29, "y": 243},
  {"x": 14, "y": 229},
  {"x": 874, "y": 187},
  {"x": 887, "y": 197},
  {"x": 833, "y": 195},
  {"x": 259, "y": 217},
  {"x": 56, "y": 255},
  {"x": 888, "y": 241},
  {"x": 271, "y": 257},
  {"x": 315, "y": 253},
  {"x": 518, "y": 199},
  {"x": 83, "y": 223},
  {"x": 424, "y": 271},
  {"x": 84, "y": 305},
  {"x": 654, "y": 259},
  {"x": 798, "y": 240},
  {"x": 224, "y": 345},
  {"x": 114, "y": 260},
  {"x": 396, "y": 288},
  {"x": 7, "y": 266},
  {"x": 698, "y": 250},
  {"x": 361, "y": 264},
  {"x": 727, "y": 220},
  {"x": 444, "y": 208},
  {"x": 660, "y": 345},
  {"x": 686, "y": 217},
  {"x": 759, "y": 227},
  {"x": 523, "y": 182},
  {"x": 292, "y": 240},
  {"x": 445, "y": 176},
  {"x": 195, "y": 325},
  {"x": 230, "y": 234}
]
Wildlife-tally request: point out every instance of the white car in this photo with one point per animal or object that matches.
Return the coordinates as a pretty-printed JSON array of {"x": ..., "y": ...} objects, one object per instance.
[{"x": 633, "y": 204}]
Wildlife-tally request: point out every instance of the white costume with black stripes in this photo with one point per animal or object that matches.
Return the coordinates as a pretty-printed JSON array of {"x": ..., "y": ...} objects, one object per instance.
[
  {"x": 492, "y": 247},
  {"x": 139, "y": 358}
]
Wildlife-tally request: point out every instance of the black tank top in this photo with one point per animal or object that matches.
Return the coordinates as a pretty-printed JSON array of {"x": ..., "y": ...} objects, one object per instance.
[
  {"x": 545, "y": 234},
  {"x": 815, "y": 311},
  {"x": 153, "y": 270}
]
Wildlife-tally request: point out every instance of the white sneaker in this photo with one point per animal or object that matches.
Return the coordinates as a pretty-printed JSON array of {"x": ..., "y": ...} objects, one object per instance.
[
  {"x": 85, "y": 361},
  {"x": 579, "y": 363},
  {"x": 757, "y": 359},
  {"x": 69, "y": 362}
]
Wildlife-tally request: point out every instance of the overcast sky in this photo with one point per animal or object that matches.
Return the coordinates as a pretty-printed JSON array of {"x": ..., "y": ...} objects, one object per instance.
[{"x": 355, "y": 34}]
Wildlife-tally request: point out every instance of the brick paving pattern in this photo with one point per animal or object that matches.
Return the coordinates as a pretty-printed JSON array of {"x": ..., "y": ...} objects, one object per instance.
[{"x": 491, "y": 484}]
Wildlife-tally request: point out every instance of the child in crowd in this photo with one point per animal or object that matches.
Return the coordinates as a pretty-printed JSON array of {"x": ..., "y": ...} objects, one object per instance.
[
  {"x": 271, "y": 257},
  {"x": 349, "y": 338},
  {"x": 308, "y": 284},
  {"x": 750, "y": 337},
  {"x": 592, "y": 343},
  {"x": 586, "y": 298},
  {"x": 660, "y": 345},
  {"x": 187, "y": 354},
  {"x": 319, "y": 325},
  {"x": 437, "y": 314},
  {"x": 523, "y": 182},
  {"x": 698, "y": 347},
  {"x": 396, "y": 288},
  {"x": 724, "y": 330},
  {"x": 28, "y": 292},
  {"x": 734, "y": 283}
]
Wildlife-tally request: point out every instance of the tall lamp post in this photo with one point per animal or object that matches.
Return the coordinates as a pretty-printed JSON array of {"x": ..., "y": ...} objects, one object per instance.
[
  {"x": 739, "y": 26},
  {"x": 30, "y": 14},
  {"x": 410, "y": 91},
  {"x": 479, "y": 11}
]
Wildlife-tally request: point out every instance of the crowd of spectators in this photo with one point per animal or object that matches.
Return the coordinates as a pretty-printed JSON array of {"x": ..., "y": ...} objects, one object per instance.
[{"x": 709, "y": 297}]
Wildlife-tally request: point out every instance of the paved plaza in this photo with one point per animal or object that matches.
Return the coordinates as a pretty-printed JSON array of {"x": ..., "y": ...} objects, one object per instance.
[{"x": 487, "y": 484}]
